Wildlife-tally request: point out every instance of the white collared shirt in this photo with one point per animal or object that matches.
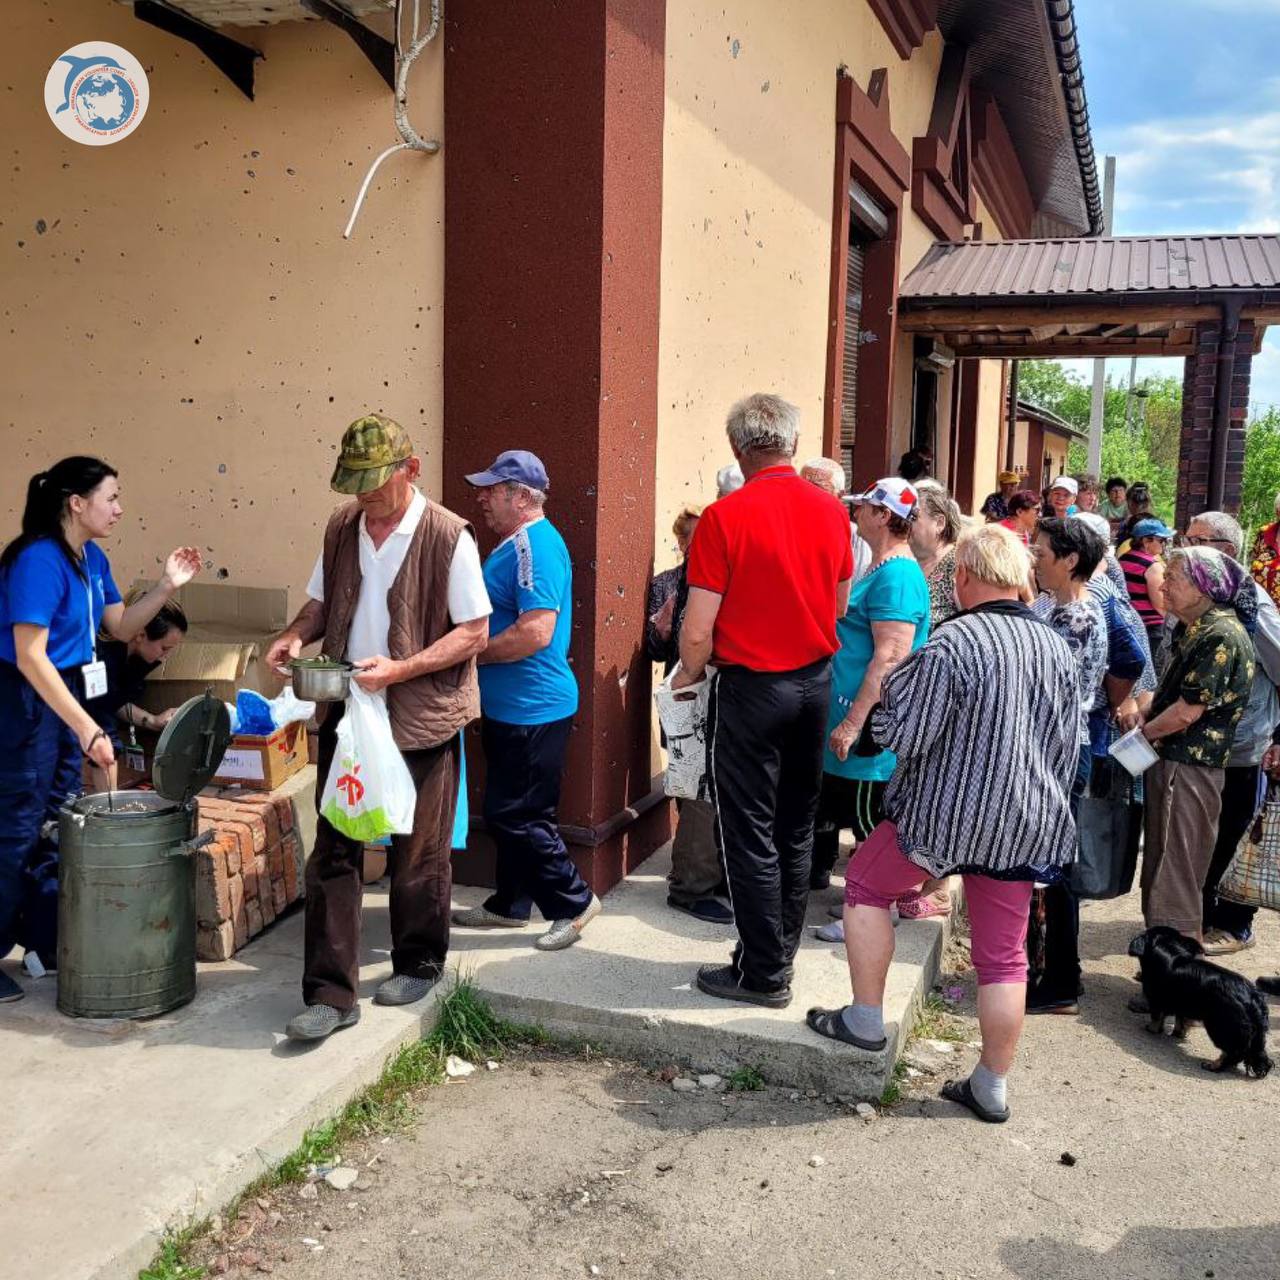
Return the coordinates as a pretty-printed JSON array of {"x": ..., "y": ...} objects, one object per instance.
[{"x": 371, "y": 622}]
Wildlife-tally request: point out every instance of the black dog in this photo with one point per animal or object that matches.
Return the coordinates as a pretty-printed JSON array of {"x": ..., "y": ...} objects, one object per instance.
[{"x": 1177, "y": 980}]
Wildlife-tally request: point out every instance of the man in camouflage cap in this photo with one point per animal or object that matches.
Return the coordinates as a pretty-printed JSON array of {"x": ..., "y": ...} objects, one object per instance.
[
  {"x": 372, "y": 448},
  {"x": 398, "y": 592}
]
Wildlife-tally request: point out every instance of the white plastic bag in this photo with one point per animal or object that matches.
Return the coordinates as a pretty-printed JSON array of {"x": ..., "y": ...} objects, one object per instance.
[
  {"x": 369, "y": 792},
  {"x": 683, "y": 715}
]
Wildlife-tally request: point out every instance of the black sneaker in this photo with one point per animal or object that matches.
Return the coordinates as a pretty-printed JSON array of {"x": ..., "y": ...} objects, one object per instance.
[
  {"x": 722, "y": 981},
  {"x": 9, "y": 990},
  {"x": 706, "y": 909}
]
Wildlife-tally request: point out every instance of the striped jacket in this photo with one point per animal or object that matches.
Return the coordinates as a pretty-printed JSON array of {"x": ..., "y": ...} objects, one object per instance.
[{"x": 983, "y": 720}]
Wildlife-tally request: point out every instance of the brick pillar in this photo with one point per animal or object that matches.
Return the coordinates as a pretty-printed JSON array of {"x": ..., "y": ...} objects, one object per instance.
[
  {"x": 1199, "y": 379},
  {"x": 1198, "y": 390},
  {"x": 1240, "y": 378},
  {"x": 553, "y": 220}
]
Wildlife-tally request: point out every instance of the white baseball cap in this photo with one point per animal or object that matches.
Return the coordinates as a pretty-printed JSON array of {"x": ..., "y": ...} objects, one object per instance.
[
  {"x": 1067, "y": 483},
  {"x": 893, "y": 494}
]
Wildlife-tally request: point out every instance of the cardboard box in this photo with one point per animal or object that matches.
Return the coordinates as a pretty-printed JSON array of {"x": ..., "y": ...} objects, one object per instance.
[
  {"x": 230, "y": 629},
  {"x": 262, "y": 764}
]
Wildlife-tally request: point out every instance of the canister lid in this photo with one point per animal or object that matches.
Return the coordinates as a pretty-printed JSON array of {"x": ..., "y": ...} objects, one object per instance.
[{"x": 191, "y": 748}]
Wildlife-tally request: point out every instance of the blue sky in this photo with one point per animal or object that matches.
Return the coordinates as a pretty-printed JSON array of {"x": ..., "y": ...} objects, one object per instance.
[{"x": 1186, "y": 95}]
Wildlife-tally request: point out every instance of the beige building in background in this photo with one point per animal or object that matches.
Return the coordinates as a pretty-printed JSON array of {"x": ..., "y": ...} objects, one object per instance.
[{"x": 641, "y": 212}]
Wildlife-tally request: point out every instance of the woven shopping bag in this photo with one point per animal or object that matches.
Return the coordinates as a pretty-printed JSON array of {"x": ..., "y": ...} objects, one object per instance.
[{"x": 1254, "y": 874}]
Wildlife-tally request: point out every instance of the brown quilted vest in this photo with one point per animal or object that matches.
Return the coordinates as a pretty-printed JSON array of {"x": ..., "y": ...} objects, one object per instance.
[{"x": 429, "y": 709}]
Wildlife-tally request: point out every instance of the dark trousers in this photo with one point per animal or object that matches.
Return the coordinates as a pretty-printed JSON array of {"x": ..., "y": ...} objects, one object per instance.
[
  {"x": 765, "y": 734},
  {"x": 1060, "y": 978},
  {"x": 844, "y": 804},
  {"x": 1240, "y": 803},
  {"x": 40, "y": 768},
  {"x": 421, "y": 882},
  {"x": 696, "y": 873},
  {"x": 523, "y": 766}
]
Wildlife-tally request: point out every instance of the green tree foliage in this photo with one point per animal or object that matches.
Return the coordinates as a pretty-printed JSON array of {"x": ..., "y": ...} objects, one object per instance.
[
  {"x": 1147, "y": 449},
  {"x": 1261, "y": 472}
]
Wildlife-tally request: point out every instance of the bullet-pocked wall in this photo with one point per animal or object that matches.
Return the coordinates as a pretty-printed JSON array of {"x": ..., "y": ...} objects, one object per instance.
[
  {"x": 182, "y": 302},
  {"x": 748, "y": 168}
]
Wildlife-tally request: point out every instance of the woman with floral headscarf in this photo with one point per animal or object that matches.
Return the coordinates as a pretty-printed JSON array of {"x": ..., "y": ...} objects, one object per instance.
[{"x": 1192, "y": 722}]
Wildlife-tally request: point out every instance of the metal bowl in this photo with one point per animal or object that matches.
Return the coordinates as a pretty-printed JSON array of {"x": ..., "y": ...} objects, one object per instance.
[{"x": 328, "y": 683}]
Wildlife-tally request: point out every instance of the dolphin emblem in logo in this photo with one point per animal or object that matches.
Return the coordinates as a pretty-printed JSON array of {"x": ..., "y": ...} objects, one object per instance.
[{"x": 78, "y": 65}]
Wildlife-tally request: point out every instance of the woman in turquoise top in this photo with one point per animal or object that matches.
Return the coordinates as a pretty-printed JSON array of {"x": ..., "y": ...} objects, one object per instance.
[{"x": 887, "y": 618}]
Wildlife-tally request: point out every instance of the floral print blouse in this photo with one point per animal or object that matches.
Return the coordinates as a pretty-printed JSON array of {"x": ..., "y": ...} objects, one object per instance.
[
  {"x": 1211, "y": 664},
  {"x": 1264, "y": 560}
]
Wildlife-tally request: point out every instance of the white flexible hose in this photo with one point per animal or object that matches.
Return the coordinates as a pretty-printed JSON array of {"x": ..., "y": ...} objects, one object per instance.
[
  {"x": 411, "y": 140},
  {"x": 364, "y": 186}
]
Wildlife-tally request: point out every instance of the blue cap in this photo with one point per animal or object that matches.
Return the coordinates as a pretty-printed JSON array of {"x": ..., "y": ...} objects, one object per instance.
[
  {"x": 1151, "y": 528},
  {"x": 518, "y": 466}
]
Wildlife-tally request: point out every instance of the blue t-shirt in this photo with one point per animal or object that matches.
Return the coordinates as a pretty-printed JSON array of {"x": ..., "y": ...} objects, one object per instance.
[
  {"x": 41, "y": 588},
  {"x": 895, "y": 592},
  {"x": 530, "y": 570}
]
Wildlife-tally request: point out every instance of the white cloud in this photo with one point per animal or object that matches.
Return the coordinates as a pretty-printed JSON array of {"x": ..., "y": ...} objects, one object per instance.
[{"x": 1200, "y": 174}]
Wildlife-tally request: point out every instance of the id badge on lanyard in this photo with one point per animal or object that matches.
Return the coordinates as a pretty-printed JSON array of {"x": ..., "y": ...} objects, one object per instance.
[{"x": 93, "y": 673}]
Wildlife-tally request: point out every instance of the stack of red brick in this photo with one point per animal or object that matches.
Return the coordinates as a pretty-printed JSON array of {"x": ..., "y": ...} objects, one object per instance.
[{"x": 249, "y": 874}]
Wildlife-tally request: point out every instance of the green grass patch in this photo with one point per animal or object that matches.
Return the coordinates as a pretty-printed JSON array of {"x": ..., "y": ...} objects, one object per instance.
[
  {"x": 937, "y": 1021},
  {"x": 465, "y": 1027},
  {"x": 746, "y": 1079},
  {"x": 170, "y": 1263},
  {"x": 892, "y": 1094}
]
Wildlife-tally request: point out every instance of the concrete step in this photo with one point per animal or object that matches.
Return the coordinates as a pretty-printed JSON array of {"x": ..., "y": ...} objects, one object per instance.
[{"x": 627, "y": 986}]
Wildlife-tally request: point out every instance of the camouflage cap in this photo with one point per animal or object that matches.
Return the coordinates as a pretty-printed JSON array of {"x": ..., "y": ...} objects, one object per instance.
[{"x": 371, "y": 448}]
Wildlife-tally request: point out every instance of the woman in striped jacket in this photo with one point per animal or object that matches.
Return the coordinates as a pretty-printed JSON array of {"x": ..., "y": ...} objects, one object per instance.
[{"x": 985, "y": 722}]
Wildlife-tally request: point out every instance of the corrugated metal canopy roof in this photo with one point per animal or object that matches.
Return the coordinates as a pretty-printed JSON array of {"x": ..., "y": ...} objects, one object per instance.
[{"x": 1041, "y": 269}]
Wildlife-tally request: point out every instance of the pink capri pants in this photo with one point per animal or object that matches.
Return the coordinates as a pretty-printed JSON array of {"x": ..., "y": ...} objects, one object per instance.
[{"x": 879, "y": 873}]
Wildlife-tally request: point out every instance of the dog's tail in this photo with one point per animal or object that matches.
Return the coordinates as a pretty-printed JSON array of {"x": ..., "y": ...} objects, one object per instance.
[{"x": 1256, "y": 1061}]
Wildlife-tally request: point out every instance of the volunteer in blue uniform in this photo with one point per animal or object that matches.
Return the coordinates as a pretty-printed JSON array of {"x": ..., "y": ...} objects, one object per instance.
[
  {"x": 528, "y": 698},
  {"x": 56, "y": 593}
]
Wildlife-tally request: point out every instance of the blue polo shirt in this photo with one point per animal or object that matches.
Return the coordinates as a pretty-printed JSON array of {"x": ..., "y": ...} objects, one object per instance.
[
  {"x": 530, "y": 570},
  {"x": 42, "y": 588}
]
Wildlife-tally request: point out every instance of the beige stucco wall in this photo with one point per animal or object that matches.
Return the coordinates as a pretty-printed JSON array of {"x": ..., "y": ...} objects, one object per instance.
[
  {"x": 988, "y": 461},
  {"x": 192, "y": 313},
  {"x": 748, "y": 168}
]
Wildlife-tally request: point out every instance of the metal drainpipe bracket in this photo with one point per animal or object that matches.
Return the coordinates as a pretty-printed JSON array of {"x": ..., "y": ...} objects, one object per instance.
[
  {"x": 380, "y": 52},
  {"x": 233, "y": 59}
]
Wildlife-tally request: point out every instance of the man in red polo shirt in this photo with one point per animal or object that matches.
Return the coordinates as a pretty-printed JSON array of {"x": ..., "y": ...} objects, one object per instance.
[{"x": 769, "y": 573}]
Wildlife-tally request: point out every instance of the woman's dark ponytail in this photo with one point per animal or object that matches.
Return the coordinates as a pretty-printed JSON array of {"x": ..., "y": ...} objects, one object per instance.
[{"x": 47, "y": 495}]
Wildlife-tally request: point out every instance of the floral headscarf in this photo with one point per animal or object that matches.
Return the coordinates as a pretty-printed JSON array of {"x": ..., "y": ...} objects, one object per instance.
[{"x": 1224, "y": 580}]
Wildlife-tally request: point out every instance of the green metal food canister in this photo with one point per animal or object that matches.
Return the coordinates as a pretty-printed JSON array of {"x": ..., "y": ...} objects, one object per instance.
[
  {"x": 127, "y": 882},
  {"x": 126, "y": 906}
]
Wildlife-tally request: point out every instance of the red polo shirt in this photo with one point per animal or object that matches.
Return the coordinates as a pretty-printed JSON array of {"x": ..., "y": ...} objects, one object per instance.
[{"x": 775, "y": 551}]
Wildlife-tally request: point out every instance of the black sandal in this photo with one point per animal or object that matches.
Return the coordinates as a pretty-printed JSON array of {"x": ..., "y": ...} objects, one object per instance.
[
  {"x": 961, "y": 1092},
  {"x": 829, "y": 1023}
]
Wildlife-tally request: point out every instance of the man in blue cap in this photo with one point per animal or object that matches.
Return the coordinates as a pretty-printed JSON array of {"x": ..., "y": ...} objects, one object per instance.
[{"x": 528, "y": 698}]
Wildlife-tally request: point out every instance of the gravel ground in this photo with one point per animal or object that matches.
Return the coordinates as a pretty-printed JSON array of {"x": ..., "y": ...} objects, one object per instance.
[{"x": 558, "y": 1166}]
